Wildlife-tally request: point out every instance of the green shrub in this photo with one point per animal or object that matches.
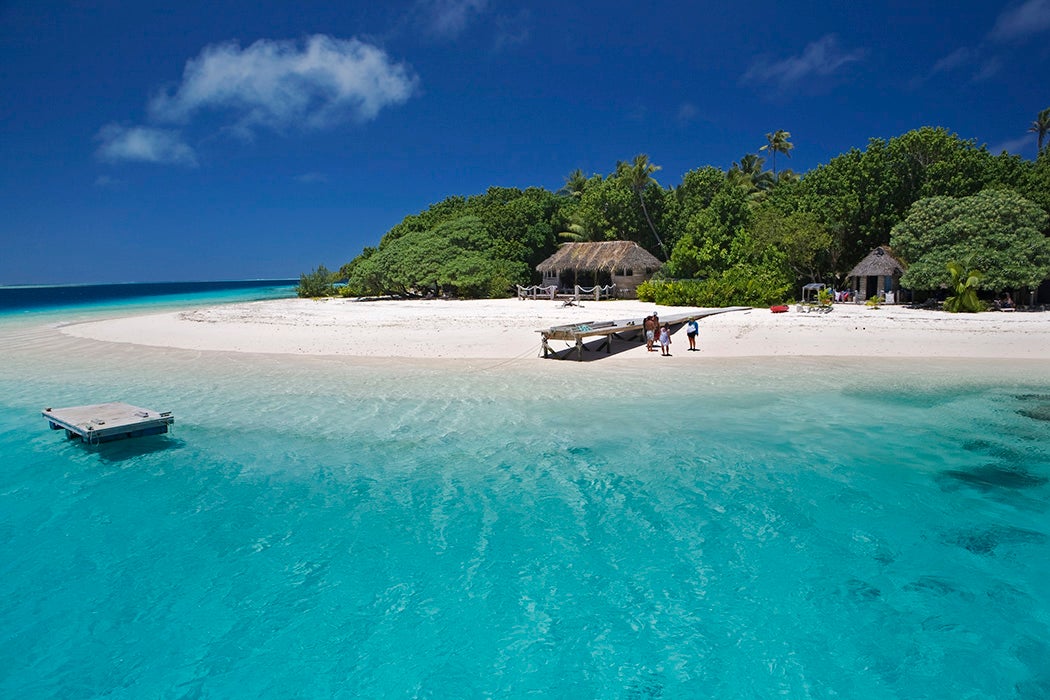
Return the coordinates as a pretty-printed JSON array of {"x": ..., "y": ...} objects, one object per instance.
[
  {"x": 964, "y": 281},
  {"x": 319, "y": 283},
  {"x": 737, "y": 286}
]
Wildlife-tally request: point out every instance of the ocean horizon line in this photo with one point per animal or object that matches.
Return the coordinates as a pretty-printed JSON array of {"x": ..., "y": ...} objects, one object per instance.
[{"x": 34, "y": 285}]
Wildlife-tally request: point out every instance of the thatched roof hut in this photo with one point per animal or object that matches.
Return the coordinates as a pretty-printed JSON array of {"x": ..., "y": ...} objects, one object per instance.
[
  {"x": 605, "y": 255},
  {"x": 879, "y": 262},
  {"x": 879, "y": 273},
  {"x": 625, "y": 263}
]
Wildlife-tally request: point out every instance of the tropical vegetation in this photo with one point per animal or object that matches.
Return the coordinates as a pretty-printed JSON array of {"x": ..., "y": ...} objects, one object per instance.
[{"x": 745, "y": 235}]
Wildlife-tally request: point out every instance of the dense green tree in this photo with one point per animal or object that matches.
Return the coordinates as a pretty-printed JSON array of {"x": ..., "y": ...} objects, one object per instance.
[
  {"x": 1038, "y": 189},
  {"x": 777, "y": 142},
  {"x": 457, "y": 257},
  {"x": 1000, "y": 231},
  {"x": 698, "y": 188},
  {"x": 861, "y": 195},
  {"x": 803, "y": 242},
  {"x": 771, "y": 225},
  {"x": 706, "y": 247},
  {"x": 1041, "y": 127}
]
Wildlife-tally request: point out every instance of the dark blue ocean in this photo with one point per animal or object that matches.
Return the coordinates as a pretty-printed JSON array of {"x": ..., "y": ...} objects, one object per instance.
[{"x": 321, "y": 527}]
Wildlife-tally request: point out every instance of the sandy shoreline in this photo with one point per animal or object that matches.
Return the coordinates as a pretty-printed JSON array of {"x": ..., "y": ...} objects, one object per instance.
[{"x": 507, "y": 328}]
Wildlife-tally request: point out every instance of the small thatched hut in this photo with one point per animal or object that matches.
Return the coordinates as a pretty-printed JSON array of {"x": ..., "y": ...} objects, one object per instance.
[
  {"x": 623, "y": 263},
  {"x": 878, "y": 273}
]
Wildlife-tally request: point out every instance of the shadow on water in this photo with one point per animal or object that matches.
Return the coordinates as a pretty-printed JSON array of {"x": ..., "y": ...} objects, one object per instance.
[
  {"x": 1040, "y": 412},
  {"x": 122, "y": 450},
  {"x": 990, "y": 477},
  {"x": 1000, "y": 452},
  {"x": 985, "y": 541}
]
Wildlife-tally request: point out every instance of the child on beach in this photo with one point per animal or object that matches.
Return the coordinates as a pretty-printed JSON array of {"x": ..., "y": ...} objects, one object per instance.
[{"x": 665, "y": 341}]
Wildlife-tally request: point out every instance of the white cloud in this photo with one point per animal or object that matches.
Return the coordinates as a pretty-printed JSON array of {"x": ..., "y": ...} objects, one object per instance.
[
  {"x": 955, "y": 59},
  {"x": 448, "y": 18},
  {"x": 1022, "y": 21},
  {"x": 687, "y": 113},
  {"x": 143, "y": 143},
  {"x": 1014, "y": 145},
  {"x": 987, "y": 69},
  {"x": 319, "y": 83},
  {"x": 512, "y": 31},
  {"x": 311, "y": 178},
  {"x": 821, "y": 58}
]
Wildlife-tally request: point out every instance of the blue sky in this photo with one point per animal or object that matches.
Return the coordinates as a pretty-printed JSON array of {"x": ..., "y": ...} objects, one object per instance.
[{"x": 237, "y": 140}]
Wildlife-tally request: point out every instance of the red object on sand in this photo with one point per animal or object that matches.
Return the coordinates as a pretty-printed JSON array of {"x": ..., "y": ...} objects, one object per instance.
[{"x": 779, "y": 309}]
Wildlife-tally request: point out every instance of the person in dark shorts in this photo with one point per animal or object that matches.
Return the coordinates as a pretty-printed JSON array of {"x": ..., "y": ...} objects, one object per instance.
[{"x": 692, "y": 329}]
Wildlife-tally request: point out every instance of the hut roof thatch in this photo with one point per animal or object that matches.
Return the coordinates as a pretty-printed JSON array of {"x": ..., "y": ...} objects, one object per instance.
[
  {"x": 604, "y": 255},
  {"x": 880, "y": 261}
]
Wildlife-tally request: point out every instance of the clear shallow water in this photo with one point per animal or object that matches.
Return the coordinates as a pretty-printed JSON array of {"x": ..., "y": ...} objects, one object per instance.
[{"x": 805, "y": 529}]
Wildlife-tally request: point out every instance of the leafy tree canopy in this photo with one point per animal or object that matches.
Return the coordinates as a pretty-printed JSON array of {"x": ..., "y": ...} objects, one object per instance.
[
  {"x": 457, "y": 257},
  {"x": 800, "y": 228},
  {"x": 998, "y": 231}
]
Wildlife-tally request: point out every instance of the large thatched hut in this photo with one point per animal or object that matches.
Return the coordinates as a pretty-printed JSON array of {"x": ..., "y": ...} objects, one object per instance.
[
  {"x": 623, "y": 263},
  {"x": 878, "y": 273}
]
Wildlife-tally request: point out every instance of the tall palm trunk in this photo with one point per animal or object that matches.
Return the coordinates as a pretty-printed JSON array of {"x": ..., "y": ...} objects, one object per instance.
[{"x": 652, "y": 228}]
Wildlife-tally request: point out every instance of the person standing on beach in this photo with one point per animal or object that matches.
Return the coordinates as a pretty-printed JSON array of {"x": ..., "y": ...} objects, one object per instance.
[
  {"x": 649, "y": 324},
  {"x": 665, "y": 341},
  {"x": 691, "y": 330}
]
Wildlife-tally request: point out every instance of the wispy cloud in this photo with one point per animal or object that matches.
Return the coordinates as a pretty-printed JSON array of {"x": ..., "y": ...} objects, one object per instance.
[
  {"x": 1014, "y": 145},
  {"x": 687, "y": 113},
  {"x": 107, "y": 182},
  {"x": 144, "y": 144},
  {"x": 980, "y": 68},
  {"x": 311, "y": 178},
  {"x": 822, "y": 58},
  {"x": 989, "y": 68},
  {"x": 956, "y": 59},
  {"x": 1022, "y": 21},
  {"x": 320, "y": 83},
  {"x": 512, "y": 31},
  {"x": 447, "y": 19}
]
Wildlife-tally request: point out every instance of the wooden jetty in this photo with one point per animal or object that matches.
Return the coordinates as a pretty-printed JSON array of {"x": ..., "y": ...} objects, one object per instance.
[
  {"x": 627, "y": 329},
  {"x": 108, "y": 421}
]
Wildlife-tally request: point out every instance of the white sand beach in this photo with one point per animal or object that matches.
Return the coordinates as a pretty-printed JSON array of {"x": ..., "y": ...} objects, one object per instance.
[{"x": 507, "y": 329}]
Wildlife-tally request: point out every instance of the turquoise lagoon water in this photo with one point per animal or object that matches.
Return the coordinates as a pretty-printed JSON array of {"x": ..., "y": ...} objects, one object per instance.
[{"x": 330, "y": 527}]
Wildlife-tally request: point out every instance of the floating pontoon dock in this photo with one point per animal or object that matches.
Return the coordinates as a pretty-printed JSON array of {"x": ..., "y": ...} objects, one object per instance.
[
  {"x": 108, "y": 421},
  {"x": 615, "y": 329}
]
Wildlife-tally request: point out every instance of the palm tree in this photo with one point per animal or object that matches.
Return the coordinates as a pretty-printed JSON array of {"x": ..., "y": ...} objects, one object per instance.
[
  {"x": 1041, "y": 126},
  {"x": 778, "y": 143},
  {"x": 575, "y": 184},
  {"x": 639, "y": 177},
  {"x": 748, "y": 173}
]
